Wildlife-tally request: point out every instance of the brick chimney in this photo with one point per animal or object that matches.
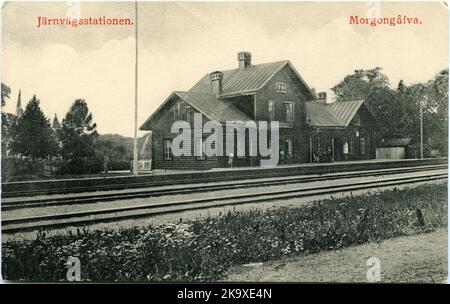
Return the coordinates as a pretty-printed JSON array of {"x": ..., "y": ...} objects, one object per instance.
[
  {"x": 322, "y": 97},
  {"x": 245, "y": 60},
  {"x": 216, "y": 82}
]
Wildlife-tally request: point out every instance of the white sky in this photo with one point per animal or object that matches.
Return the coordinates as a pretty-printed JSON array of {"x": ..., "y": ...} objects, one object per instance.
[{"x": 180, "y": 42}]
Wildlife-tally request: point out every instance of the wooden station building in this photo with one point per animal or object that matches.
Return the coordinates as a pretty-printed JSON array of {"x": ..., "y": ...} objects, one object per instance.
[{"x": 310, "y": 128}]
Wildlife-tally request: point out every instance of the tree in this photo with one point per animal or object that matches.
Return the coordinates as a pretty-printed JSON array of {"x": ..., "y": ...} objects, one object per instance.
[
  {"x": 5, "y": 121},
  {"x": 360, "y": 84},
  {"x": 436, "y": 112},
  {"x": 5, "y": 93},
  {"x": 438, "y": 93},
  {"x": 401, "y": 86},
  {"x": 397, "y": 111},
  {"x": 32, "y": 136},
  {"x": 78, "y": 136}
]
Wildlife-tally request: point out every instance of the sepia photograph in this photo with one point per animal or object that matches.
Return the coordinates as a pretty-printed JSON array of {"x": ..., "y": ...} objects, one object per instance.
[{"x": 224, "y": 142}]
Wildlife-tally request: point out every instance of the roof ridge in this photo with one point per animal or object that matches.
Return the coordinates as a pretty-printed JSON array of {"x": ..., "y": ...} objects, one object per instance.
[{"x": 252, "y": 66}]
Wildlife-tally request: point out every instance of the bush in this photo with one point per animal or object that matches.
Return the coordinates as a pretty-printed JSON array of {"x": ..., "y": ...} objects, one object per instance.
[
  {"x": 203, "y": 250},
  {"x": 81, "y": 166},
  {"x": 121, "y": 164},
  {"x": 23, "y": 169}
]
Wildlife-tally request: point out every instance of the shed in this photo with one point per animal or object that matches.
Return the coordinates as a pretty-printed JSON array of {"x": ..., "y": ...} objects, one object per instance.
[{"x": 394, "y": 148}]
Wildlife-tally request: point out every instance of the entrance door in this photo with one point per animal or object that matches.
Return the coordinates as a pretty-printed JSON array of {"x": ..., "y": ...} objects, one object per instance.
[{"x": 338, "y": 149}]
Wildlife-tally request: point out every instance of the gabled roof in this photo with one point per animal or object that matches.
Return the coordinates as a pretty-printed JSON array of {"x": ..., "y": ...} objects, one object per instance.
[
  {"x": 248, "y": 80},
  {"x": 336, "y": 114},
  {"x": 212, "y": 107},
  {"x": 209, "y": 105},
  {"x": 322, "y": 115},
  {"x": 346, "y": 110}
]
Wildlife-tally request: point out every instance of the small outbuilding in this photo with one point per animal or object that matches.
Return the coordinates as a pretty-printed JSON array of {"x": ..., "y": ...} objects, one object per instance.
[{"x": 395, "y": 148}]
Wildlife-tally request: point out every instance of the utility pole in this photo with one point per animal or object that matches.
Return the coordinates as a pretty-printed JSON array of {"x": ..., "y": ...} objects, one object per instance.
[
  {"x": 421, "y": 128},
  {"x": 135, "y": 143}
]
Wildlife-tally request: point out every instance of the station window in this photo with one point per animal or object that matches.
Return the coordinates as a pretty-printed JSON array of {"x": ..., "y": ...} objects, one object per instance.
[
  {"x": 270, "y": 110},
  {"x": 188, "y": 113},
  {"x": 363, "y": 146},
  {"x": 167, "y": 149},
  {"x": 289, "y": 111},
  {"x": 351, "y": 146},
  {"x": 182, "y": 111},
  {"x": 240, "y": 148},
  {"x": 200, "y": 149},
  {"x": 176, "y": 112},
  {"x": 281, "y": 87},
  {"x": 289, "y": 147}
]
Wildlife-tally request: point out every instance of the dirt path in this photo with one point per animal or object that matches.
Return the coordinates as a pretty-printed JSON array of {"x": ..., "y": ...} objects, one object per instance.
[{"x": 418, "y": 258}]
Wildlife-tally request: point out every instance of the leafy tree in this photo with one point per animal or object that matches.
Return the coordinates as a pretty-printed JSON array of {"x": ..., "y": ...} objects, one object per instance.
[
  {"x": 5, "y": 121},
  {"x": 113, "y": 150},
  {"x": 5, "y": 93},
  {"x": 32, "y": 136},
  {"x": 78, "y": 137},
  {"x": 397, "y": 111},
  {"x": 360, "y": 84},
  {"x": 386, "y": 112},
  {"x": 438, "y": 93},
  {"x": 401, "y": 87},
  {"x": 435, "y": 103}
]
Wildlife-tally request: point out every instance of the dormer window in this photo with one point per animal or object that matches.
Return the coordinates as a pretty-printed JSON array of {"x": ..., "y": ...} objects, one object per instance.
[
  {"x": 183, "y": 111},
  {"x": 281, "y": 87}
]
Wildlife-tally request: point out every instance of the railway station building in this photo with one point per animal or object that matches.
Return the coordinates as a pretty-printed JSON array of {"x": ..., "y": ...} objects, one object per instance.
[{"x": 310, "y": 128}]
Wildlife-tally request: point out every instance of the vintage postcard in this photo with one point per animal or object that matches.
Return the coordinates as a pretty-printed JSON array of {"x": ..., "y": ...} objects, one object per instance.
[{"x": 224, "y": 141}]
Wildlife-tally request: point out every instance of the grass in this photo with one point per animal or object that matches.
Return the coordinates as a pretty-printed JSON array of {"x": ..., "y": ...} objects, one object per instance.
[{"x": 203, "y": 250}]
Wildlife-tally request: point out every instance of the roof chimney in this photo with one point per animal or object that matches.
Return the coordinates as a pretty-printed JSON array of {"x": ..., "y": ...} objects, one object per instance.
[
  {"x": 216, "y": 82},
  {"x": 322, "y": 97},
  {"x": 245, "y": 60}
]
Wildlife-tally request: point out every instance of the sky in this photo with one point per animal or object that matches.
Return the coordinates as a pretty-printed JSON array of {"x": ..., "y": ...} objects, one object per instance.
[{"x": 179, "y": 42}]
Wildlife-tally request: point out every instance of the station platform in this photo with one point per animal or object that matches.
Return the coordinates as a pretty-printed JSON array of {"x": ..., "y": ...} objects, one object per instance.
[
  {"x": 166, "y": 177},
  {"x": 305, "y": 165}
]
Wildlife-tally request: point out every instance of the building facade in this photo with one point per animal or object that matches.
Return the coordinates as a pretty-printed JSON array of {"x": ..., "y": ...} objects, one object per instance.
[{"x": 308, "y": 126}]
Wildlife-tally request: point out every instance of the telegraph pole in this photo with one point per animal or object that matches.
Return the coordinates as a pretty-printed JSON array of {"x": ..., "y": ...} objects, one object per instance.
[
  {"x": 421, "y": 128},
  {"x": 135, "y": 143}
]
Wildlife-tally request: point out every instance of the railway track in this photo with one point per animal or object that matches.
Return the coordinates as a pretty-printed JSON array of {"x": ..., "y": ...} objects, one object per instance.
[
  {"x": 195, "y": 188},
  {"x": 81, "y": 218}
]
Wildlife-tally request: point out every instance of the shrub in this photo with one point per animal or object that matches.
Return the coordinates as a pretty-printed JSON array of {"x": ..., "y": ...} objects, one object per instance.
[
  {"x": 24, "y": 169},
  {"x": 81, "y": 166},
  {"x": 122, "y": 164}
]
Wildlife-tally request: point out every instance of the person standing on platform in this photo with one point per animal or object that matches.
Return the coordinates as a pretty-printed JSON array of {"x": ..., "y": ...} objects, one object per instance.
[
  {"x": 345, "y": 151},
  {"x": 230, "y": 160}
]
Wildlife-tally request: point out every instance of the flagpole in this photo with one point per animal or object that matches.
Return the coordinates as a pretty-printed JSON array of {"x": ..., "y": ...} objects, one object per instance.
[{"x": 135, "y": 143}]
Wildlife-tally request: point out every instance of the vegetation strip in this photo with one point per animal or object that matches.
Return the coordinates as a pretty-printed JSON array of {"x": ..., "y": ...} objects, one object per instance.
[{"x": 203, "y": 250}]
